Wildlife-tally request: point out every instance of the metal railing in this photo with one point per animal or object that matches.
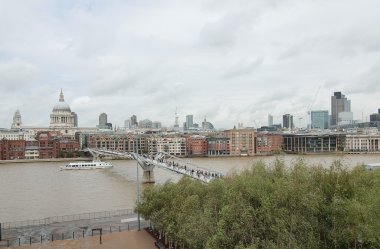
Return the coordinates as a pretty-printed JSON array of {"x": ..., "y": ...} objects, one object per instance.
[
  {"x": 65, "y": 218},
  {"x": 72, "y": 234}
]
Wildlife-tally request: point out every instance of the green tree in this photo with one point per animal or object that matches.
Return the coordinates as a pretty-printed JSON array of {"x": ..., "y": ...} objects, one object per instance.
[{"x": 270, "y": 207}]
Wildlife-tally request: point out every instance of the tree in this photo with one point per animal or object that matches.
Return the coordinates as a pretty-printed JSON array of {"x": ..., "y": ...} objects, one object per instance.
[{"x": 270, "y": 207}]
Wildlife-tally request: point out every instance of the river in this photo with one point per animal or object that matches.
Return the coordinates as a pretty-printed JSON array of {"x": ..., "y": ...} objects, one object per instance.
[{"x": 38, "y": 190}]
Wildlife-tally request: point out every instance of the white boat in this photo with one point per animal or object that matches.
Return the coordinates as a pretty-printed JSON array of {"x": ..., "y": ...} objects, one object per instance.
[
  {"x": 87, "y": 165},
  {"x": 372, "y": 166}
]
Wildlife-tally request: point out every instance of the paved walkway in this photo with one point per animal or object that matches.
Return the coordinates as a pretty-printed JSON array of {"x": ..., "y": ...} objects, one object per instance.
[{"x": 123, "y": 240}]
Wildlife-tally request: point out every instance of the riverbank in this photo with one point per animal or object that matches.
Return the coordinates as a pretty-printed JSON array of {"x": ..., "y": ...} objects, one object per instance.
[
  {"x": 339, "y": 155},
  {"x": 48, "y": 160}
]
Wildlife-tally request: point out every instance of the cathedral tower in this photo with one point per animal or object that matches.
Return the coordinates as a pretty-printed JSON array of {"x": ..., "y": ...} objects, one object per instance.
[{"x": 16, "y": 120}]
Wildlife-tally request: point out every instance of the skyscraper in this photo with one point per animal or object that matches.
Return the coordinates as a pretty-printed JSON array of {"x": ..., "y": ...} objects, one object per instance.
[
  {"x": 287, "y": 121},
  {"x": 75, "y": 119},
  {"x": 189, "y": 121},
  {"x": 134, "y": 121},
  {"x": 375, "y": 117},
  {"x": 127, "y": 124},
  {"x": 319, "y": 119},
  {"x": 339, "y": 103},
  {"x": 102, "y": 121},
  {"x": 270, "y": 120}
]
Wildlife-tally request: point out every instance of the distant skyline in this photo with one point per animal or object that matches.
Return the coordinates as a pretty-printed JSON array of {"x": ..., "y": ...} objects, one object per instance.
[{"x": 228, "y": 61}]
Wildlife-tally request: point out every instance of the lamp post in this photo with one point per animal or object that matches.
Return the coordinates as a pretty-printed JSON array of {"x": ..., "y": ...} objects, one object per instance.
[{"x": 138, "y": 181}]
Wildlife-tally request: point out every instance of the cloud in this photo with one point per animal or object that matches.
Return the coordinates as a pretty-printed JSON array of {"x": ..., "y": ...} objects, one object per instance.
[
  {"x": 232, "y": 61},
  {"x": 227, "y": 29},
  {"x": 243, "y": 68},
  {"x": 115, "y": 82},
  {"x": 81, "y": 102},
  {"x": 16, "y": 73},
  {"x": 367, "y": 82}
]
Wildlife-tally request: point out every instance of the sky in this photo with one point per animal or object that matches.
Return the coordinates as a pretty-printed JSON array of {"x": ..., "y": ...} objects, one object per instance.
[{"x": 227, "y": 61}]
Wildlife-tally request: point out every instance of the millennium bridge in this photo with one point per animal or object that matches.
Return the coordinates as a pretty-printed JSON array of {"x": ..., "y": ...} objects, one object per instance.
[{"x": 161, "y": 160}]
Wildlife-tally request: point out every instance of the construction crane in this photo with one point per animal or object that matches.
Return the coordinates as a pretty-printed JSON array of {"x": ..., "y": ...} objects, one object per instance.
[
  {"x": 314, "y": 99},
  {"x": 254, "y": 121},
  {"x": 301, "y": 115}
]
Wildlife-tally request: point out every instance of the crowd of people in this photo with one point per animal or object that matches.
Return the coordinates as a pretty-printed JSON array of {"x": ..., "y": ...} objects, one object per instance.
[{"x": 195, "y": 173}]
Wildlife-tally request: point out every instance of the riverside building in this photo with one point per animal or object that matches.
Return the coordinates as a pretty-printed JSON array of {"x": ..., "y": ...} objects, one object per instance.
[
  {"x": 196, "y": 145},
  {"x": 12, "y": 149},
  {"x": 241, "y": 141},
  {"x": 125, "y": 142},
  {"x": 362, "y": 143},
  {"x": 268, "y": 143},
  {"x": 174, "y": 145},
  {"x": 218, "y": 145},
  {"x": 314, "y": 143}
]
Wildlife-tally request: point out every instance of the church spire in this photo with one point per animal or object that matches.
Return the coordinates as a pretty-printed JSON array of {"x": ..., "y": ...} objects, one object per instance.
[{"x": 61, "y": 98}]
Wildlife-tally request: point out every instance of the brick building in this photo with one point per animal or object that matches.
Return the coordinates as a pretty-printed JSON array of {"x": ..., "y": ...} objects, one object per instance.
[
  {"x": 63, "y": 147},
  {"x": 268, "y": 143},
  {"x": 196, "y": 146},
  {"x": 116, "y": 142},
  {"x": 218, "y": 145},
  {"x": 45, "y": 144},
  {"x": 12, "y": 149},
  {"x": 241, "y": 141},
  {"x": 53, "y": 145}
]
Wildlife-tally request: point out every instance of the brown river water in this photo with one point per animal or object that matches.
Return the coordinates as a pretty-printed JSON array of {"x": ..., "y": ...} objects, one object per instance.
[{"x": 38, "y": 190}]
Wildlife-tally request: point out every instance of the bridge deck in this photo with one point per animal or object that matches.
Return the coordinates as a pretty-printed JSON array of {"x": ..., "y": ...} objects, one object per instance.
[
  {"x": 160, "y": 160},
  {"x": 198, "y": 174}
]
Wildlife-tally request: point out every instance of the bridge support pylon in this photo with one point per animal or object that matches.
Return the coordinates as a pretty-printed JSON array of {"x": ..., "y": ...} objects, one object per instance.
[{"x": 148, "y": 176}]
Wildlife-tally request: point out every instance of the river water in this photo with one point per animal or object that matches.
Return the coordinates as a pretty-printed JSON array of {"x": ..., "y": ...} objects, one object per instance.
[{"x": 38, "y": 190}]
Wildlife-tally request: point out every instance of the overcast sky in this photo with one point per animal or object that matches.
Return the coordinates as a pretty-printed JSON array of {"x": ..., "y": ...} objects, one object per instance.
[{"x": 229, "y": 61}]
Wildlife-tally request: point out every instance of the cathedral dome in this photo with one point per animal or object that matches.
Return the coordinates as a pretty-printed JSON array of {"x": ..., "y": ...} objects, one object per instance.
[
  {"x": 61, "y": 106},
  {"x": 61, "y": 116}
]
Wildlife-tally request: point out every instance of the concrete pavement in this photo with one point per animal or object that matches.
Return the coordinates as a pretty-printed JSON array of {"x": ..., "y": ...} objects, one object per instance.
[{"x": 121, "y": 240}]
